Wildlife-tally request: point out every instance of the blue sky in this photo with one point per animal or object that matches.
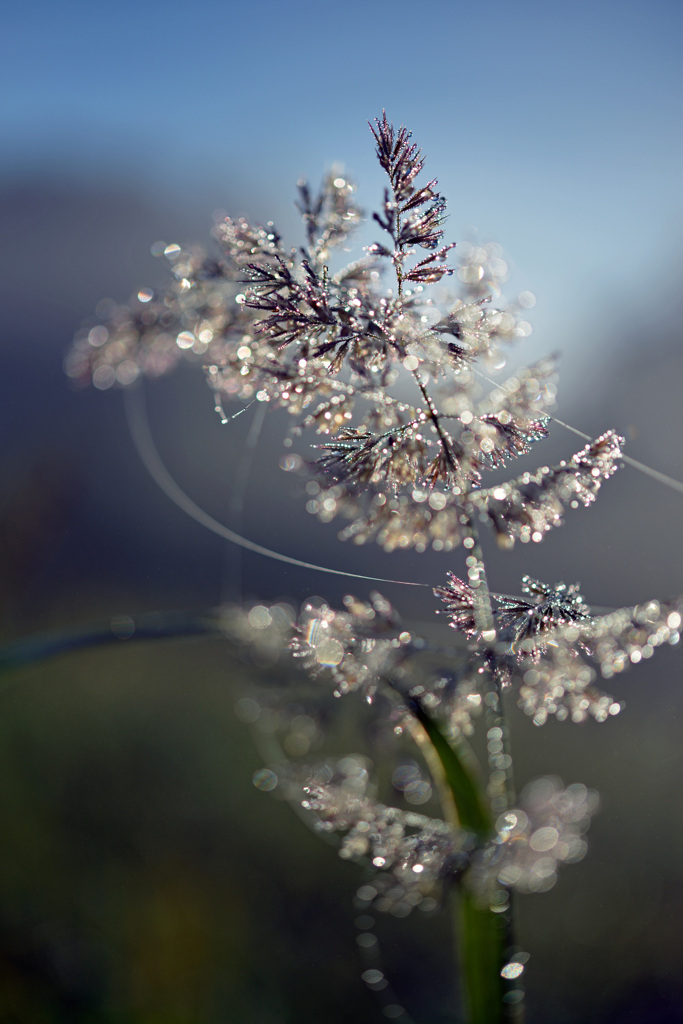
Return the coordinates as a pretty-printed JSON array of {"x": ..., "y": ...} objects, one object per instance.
[{"x": 554, "y": 128}]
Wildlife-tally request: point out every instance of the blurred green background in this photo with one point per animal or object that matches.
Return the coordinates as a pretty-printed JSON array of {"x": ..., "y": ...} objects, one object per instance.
[{"x": 144, "y": 879}]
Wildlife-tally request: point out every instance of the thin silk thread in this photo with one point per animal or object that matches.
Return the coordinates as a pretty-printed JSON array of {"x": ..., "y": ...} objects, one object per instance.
[{"x": 138, "y": 425}]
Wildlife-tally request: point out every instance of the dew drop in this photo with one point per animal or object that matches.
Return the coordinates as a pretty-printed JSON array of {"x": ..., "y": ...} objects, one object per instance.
[
  {"x": 374, "y": 978},
  {"x": 264, "y": 780},
  {"x": 329, "y": 652},
  {"x": 512, "y": 970},
  {"x": 259, "y": 617}
]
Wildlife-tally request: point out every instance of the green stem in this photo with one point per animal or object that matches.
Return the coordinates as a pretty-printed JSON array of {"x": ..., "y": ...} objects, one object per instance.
[
  {"x": 481, "y": 933},
  {"x": 471, "y": 806},
  {"x": 501, "y": 785},
  {"x": 483, "y": 936},
  {"x": 500, "y": 782},
  {"x": 482, "y": 955}
]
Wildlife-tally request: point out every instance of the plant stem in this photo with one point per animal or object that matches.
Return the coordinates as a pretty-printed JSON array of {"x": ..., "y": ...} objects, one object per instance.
[
  {"x": 470, "y": 803},
  {"x": 482, "y": 953},
  {"x": 485, "y": 936},
  {"x": 481, "y": 932},
  {"x": 434, "y": 416},
  {"x": 500, "y": 782},
  {"x": 501, "y": 787}
]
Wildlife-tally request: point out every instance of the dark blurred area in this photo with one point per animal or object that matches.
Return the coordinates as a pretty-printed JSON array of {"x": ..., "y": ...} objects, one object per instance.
[{"x": 142, "y": 878}]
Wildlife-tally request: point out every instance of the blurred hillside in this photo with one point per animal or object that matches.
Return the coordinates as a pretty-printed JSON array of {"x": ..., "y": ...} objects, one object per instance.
[{"x": 142, "y": 878}]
